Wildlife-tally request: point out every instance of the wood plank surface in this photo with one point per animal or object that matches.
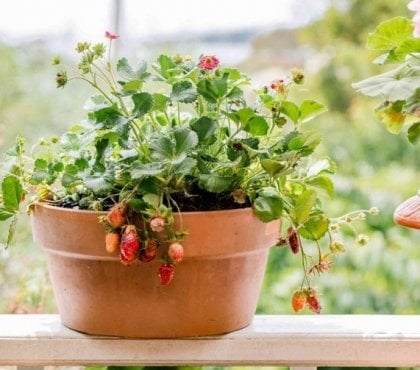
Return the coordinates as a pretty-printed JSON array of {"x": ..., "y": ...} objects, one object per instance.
[{"x": 295, "y": 340}]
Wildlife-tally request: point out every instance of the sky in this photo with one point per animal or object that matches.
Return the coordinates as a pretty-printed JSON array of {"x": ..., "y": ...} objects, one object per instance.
[{"x": 88, "y": 19}]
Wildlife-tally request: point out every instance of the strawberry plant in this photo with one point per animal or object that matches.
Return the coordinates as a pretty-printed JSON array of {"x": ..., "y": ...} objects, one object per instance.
[{"x": 178, "y": 136}]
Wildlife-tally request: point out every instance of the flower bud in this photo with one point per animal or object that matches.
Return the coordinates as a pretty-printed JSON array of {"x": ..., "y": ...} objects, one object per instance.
[
  {"x": 61, "y": 79},
  {"x": 362, "y": 239},
  {"x": 99, "y": 50},
  {"x": 82, "y": 46},
  {"x": 56, "y": 61},
  {"x": 334, "y": 227},
  {"x": 337, "y": 247},
  {"x": 374, "y": 211},
  {"x": 297, "y": 76}
]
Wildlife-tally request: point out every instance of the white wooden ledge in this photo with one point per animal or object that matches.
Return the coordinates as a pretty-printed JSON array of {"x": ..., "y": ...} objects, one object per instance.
[{"x": 301, "y": 340}]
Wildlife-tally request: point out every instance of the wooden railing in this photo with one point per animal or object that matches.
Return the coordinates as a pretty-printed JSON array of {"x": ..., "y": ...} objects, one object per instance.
[{"x": 301, "y": 341}]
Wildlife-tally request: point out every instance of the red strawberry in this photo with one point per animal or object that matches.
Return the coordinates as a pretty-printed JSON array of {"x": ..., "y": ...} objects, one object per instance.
[
  {"x": 112, "y": 242},
  {"x": 313, "y": 301},
  {"x": 176, "y": 252},
  {"x": 116, "y": 216},
  {"x": 166, "y": 273},
  {"x": 130, "y": 245},
  {"x": 299, "y": 300},
  {"x": 157, "y": 224},
  {"x": 149, "y": 252},
  {"x": 293, "y": 240}
]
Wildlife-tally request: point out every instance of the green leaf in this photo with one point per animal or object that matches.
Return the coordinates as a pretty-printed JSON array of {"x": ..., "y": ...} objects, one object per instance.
[
  {"x": 183, "y": 92},
  {"x": 41, "y": 164},
  {"x": 163, "y": 148},
  {"x": 309, "y": 109},
  {"x": 137, "y": 205},
  {"x": 71, "y": 144},
  {"x": 305, "y": 143},
  {"x": 143, "y": 103},
  {"x": 98, "y": 183},
  {"x": 394, "y": 85},
  {"x": 389, "y": 58},
  {"x": 414, "y": 133},
  {"x": 315, "y": 227},
  {"x": 220, "y": 85},
  {"x": 185, "y": 140},
  {"x": 12, "y": 192},
  {"x": 233, "y": 73},
  {"x": 291, "y": 110},
  {"x": 323, "y": 183},
  {"x": 68, "y": 180},
  {"x": 257, "y": 126},
  {"x": 12, "y": 231},
  {"x": 321, "y": 166},
  {"x": 152, "y": 199},
  {"x": 5, "y": 214},
  {"x": 208, "y": 90},
  {"x": 69, "y": 177},
  {"x": 38, "y": 176},
  {"x": 304, "y": 204},
  {"x": 160, "y": 102},
  {"x": 129, "y": 73},
  {"x": 235, "y": 93},
  {"x": 272, "y": 167},
  {"x": 412, "y": 104},
  {"x": 204, "y": 127},
  {"x": 129, "y": 153},
  {"x": 139, "y": 170},
  {"x": 214, "y": 183},
  {"x": 186, "y": 166},
  {"x": 268, "y": 205},
  {"x": 133, "y": 85},
  {"x": 408, "y": 46},
  {"x": 164, "y": 65},
  {"x": 106, "y": 114},
  {"x": 80, "y": 163},
  {"x": 245, "y": 114},
  {"x": 390, "y": 34}
]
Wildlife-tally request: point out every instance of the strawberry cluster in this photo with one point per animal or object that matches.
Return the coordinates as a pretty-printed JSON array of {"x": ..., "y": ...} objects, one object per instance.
[
  {"x": 123, "y": 237},
  {"x": 306, "y": 298}
]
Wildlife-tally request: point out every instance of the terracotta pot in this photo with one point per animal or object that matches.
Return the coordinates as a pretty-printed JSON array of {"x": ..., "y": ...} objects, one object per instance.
[
  {"x": 408, "y": 213},
  {"x": 215, "y": 288}
]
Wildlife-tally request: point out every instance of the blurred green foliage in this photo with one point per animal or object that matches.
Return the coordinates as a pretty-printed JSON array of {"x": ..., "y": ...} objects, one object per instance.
[{"x": 375, "y": 168}]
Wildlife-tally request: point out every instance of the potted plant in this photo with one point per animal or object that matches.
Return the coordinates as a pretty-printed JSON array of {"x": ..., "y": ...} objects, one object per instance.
[
  {"x": 398, "y": 89},
  {"x": 157, "y": 211}
]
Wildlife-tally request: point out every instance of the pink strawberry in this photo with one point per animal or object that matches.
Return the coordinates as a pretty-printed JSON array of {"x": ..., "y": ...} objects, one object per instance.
[
  {"x": 176, "y": 252},
  {"x": 313, "y": 301},
  {"x": 130, "y": 245},
  {"x": 112, "y": 242},
  {"x": 293, "y": 240},
  {"x": 157, "y": 224},
  {"x": 166, "y": 273},
  {"x": 116, "y": 216},
  {"x": 149, "y": 252}
]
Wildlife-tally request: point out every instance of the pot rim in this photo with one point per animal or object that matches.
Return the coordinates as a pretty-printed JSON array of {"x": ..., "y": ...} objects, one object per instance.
[{"x": 87, "y": 211}]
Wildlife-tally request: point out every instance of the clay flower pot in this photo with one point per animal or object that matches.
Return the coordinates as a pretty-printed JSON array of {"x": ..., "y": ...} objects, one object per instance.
[
  {"x": 215, "y": 288},
  {"x": 408, "y": 213}
]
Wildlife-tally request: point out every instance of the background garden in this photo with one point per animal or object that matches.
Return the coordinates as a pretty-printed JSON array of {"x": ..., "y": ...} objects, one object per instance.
[{"x": 374, "y": 167}]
